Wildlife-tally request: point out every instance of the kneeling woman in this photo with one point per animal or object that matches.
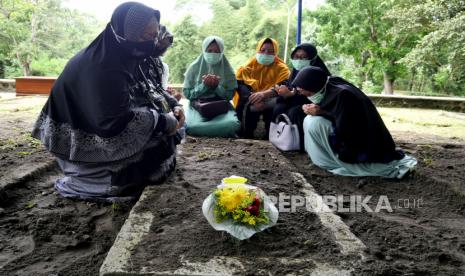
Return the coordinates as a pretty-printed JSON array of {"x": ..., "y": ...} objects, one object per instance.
[
  {"x": 211, "y": 76},
  {"x": 343, "y": 131},
  {"x": 112, "y": 128}
]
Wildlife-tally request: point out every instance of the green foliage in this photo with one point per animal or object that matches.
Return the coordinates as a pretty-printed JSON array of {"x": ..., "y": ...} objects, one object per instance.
[
  {"x": 359, "y": 29},
  {"x": 186, "y": 47},
  {"x": 241, "y": 24},
  {"x": 44, "y": 65},
  {"x": 438, "y": 57},
  {"x": 413, "y": 44},
  {"x": 39, "y": 36},
  {"x": 410, "y": 45}
]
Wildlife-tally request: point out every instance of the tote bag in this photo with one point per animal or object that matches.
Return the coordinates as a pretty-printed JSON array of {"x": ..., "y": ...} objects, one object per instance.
[{"x": 284, "y": 135}]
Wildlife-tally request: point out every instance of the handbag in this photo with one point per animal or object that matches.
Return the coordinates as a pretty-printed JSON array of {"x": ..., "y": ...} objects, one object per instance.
[
  {"x": 284, "y": 135},
  {"x": 209, "y": 108}
]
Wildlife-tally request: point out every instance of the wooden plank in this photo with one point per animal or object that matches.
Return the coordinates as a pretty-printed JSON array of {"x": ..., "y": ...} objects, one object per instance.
[{"x": 34, "y": 85}]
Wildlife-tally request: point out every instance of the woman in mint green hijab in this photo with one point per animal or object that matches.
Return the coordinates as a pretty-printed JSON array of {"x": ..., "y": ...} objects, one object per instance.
[{"x": 211, "y": 75}]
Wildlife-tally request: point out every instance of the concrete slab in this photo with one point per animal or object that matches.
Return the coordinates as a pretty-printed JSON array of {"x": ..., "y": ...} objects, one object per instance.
[
  {"x": 24, "y": 172},
  {"x": 152, "y": 239}
]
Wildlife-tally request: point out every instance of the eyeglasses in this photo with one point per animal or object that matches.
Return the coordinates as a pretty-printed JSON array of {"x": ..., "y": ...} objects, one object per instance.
[
  {"x": 155, "y": 38},
  {"x": 117, "y": 36}
]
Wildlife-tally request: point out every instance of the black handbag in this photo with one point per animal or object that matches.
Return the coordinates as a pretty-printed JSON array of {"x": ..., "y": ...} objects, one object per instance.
[{"x": 209, "y": 108}]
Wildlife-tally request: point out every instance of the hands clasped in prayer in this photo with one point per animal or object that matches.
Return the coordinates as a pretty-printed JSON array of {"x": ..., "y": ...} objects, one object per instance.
[{"x": 211, "y": 80}]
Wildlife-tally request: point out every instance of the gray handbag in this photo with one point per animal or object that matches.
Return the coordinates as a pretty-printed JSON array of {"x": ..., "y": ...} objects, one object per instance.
[{"x": 284, "y": 135}]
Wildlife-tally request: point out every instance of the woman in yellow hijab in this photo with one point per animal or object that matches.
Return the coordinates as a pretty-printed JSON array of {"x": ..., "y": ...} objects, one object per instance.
[{"x": 256, "y": 93}]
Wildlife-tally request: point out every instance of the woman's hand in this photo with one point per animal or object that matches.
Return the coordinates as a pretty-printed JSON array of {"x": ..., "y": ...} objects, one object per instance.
[
  {"x": 257, "y": 97},
  {"x": 211, "y": 80},
  {"x": 284, "y": 91},
  {"x": 172, "y": 123},
  {"x": 179, "y": 114},
  {"x": 312, "y": 109},
  {"x": 259, "y": 106}
]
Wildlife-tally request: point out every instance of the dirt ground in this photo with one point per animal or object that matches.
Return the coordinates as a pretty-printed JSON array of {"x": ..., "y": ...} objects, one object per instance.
[
  {"x": 42, "y": 233},
  {"x": 202, "y": 165}
]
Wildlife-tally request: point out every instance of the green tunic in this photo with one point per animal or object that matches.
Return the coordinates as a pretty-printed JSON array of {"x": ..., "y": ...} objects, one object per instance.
[{"x": 224, "y": 125}]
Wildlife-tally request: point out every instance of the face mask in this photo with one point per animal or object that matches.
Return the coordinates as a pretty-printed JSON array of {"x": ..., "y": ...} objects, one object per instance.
[
  {"x": 142, "y": 49},
  {"x": 212, "y": 58},
  {"x": 320, "y": 95},
  {"x": 317, "y": 98},
  {"x": 264, "y": 59},
  {"x": 299, "y": 64}
]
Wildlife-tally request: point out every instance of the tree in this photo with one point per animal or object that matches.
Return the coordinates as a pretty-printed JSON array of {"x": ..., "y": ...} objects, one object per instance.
[
  {"x": 358, "y": 28},
  {"x": 186, "y": 47},
  {"x": 438, "y": 55},
  {"x": 38, "y": 31}
]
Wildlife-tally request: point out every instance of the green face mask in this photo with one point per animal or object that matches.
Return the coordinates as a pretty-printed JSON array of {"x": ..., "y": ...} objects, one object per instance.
[
  {"x": 264, "y": 59},
  {"x": 299, "y": 64},
  {"x": 318, "y": 97},
  {"x": 212, "y": 58}
]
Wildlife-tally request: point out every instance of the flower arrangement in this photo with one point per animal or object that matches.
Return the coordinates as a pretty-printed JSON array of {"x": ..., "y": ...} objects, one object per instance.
[
  {"x": 242, "y": 205},
  {"x": 239, "y": 209}
]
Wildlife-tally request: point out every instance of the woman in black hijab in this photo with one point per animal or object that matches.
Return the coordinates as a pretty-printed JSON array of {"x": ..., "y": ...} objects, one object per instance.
[
  {"x": 289, "y": 102},
  {"x": 109, "y": 126},
  {"x": 344, "y": 132}
]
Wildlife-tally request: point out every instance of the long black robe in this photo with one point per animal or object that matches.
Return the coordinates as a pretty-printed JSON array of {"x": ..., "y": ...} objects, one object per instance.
[
  {"x": 359, "y": 132},
  {"x": 91, "y": 114}
]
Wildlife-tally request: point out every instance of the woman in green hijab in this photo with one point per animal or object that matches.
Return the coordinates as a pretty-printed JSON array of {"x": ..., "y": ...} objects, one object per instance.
[{"x": 209, "y": 76}]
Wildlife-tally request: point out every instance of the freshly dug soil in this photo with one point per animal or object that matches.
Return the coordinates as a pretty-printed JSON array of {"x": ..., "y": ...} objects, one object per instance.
[
  {"x": 424, "y": 233},
  {"x": 180, "y": 229},
  {"x": 42, "y": 233}
]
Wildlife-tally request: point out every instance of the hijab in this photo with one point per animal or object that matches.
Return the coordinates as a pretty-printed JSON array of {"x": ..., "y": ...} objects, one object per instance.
[
  {"x": 359, "y": 131},
  {"x": 200, "y": 67},
  {"x": 312, "y": 54},
  {"x": 91, "y": 97},
  {"x": 261, "y": 77}
]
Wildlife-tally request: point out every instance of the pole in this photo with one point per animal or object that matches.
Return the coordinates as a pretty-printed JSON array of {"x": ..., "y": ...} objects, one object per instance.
[
  {"x": 289, "y": 11},
  {"x": 299, "y": 22}
]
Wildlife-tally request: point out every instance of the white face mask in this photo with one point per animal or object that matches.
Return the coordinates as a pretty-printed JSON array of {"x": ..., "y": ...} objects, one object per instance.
[
  {"x": 212, "y": 58},
  {"x": 320, "y": 95},
  {"x": 265, "y": 59},
  {"x": 298, "y": 64}
]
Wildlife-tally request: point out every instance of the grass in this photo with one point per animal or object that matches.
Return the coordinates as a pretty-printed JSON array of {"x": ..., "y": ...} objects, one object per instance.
[
  {"x": 424, "y": 121},
  {"x": 17, "y": 116},
  {"x": 30, "y": 205},
  {"x": 205, "y": 155},
  {"x": 25, "y": 141}
]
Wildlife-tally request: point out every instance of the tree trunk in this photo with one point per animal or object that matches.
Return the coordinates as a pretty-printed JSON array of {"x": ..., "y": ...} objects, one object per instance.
[
  {"x": 388, "y": 84},
  {"x": 422, "y": 83},
  {"x": 26, "y": 69},
  {"x": 412, "y": 81},
  {"x": 2, "y": 69}
]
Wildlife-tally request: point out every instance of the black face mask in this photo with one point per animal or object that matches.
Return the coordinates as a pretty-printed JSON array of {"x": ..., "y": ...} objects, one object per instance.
[
  {"x": 159, "y": 50},
  {"x": 139, "y": 49}
]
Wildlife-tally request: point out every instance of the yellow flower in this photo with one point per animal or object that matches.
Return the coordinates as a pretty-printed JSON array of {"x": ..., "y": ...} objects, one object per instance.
[
  {"x": 250, "y": 220},
  {"x": 231, "y": 196}
]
